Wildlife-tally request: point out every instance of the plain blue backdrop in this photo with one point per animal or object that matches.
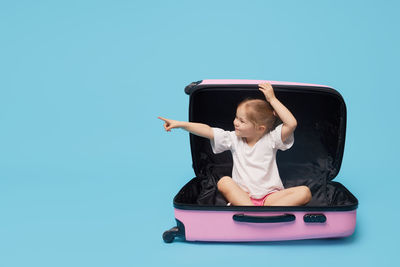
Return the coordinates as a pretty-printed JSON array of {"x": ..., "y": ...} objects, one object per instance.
[{"x": 87, "y": 172}]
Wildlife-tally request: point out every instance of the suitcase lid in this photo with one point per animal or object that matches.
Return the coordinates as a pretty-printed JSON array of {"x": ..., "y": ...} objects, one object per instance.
[{"x": 319, "y": 138}]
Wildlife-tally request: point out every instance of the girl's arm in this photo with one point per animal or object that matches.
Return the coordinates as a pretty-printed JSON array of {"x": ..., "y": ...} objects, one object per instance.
[
  {"x": 199, "y": 129},
  {"x": 289, "y": 121}
]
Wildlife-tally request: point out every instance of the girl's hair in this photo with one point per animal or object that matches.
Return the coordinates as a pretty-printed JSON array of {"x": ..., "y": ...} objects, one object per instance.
[{"x": 260, "y": 112}]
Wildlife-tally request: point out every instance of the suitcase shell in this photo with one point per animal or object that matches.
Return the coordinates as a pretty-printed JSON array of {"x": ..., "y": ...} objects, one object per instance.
[{"x": 314, "y": 160}]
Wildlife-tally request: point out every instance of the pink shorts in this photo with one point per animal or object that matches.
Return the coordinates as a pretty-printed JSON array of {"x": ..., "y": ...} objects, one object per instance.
[{"x": 260, "y": 201}]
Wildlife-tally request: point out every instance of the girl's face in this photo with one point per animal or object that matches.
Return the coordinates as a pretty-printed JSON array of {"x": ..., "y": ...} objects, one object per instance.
[{"x": 243, "y": 127}]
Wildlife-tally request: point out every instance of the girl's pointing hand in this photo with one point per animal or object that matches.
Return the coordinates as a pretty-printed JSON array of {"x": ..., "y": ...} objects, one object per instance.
[{"x": 170, "y": 124}]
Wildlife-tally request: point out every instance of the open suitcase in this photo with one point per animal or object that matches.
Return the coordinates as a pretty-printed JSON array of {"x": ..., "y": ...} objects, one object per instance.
[{"x": 314, "y": 160}]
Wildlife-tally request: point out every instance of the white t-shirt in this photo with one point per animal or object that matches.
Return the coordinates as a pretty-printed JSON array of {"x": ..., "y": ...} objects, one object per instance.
[{"x": 254, "y": 168}]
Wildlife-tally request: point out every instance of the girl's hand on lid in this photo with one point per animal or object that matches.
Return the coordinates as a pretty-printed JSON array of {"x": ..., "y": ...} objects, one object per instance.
[{"x": 267, "y": 90}]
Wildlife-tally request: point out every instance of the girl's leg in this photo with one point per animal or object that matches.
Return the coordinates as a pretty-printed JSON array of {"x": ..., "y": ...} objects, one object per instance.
[
  {"x": 294, "y": 196},
  {"x": 233, "y": 193}
]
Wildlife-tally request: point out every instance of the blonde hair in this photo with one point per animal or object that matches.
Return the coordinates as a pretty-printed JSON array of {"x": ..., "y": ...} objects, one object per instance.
[{"x": 259, "y": 112}]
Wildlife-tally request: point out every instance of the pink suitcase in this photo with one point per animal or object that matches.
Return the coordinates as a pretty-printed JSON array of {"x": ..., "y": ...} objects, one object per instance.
[{"x": 314, "y": 160}]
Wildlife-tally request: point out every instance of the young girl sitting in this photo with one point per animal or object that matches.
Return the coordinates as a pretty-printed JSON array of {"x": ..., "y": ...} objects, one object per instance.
[{"x": 255, "y": 178}]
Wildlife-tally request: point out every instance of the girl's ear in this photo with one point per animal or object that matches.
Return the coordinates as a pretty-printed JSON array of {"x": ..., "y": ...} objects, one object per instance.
[
  {"x": 262, "y": 128},
  {"x": 275, "y": 114}
]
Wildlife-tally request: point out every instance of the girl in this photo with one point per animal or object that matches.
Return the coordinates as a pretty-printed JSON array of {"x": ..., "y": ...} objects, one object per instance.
[{"x": 255, "y": 178}]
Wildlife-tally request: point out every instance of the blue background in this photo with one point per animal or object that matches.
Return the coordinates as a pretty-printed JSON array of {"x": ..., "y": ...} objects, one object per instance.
[{"x": 87, "y": 172}]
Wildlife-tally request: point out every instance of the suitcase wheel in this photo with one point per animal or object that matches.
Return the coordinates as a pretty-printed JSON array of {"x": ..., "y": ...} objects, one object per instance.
[{"x": 170, "y": 235}]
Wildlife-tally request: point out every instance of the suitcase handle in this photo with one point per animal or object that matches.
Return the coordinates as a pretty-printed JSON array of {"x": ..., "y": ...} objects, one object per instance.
[{"x": 264, "y": 219}]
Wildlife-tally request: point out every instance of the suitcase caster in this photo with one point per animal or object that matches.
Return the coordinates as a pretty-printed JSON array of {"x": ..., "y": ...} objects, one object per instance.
[
  {"x": 170, "y": 235},
  {"x": 178, "y": 231}
]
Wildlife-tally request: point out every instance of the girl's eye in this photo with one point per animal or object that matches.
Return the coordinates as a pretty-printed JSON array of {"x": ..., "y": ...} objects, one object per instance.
[{"x": 242, "y": 121}]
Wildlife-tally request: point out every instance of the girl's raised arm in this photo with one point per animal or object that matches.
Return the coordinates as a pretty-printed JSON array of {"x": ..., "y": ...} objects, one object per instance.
[{"x": 289, "y": 121}]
